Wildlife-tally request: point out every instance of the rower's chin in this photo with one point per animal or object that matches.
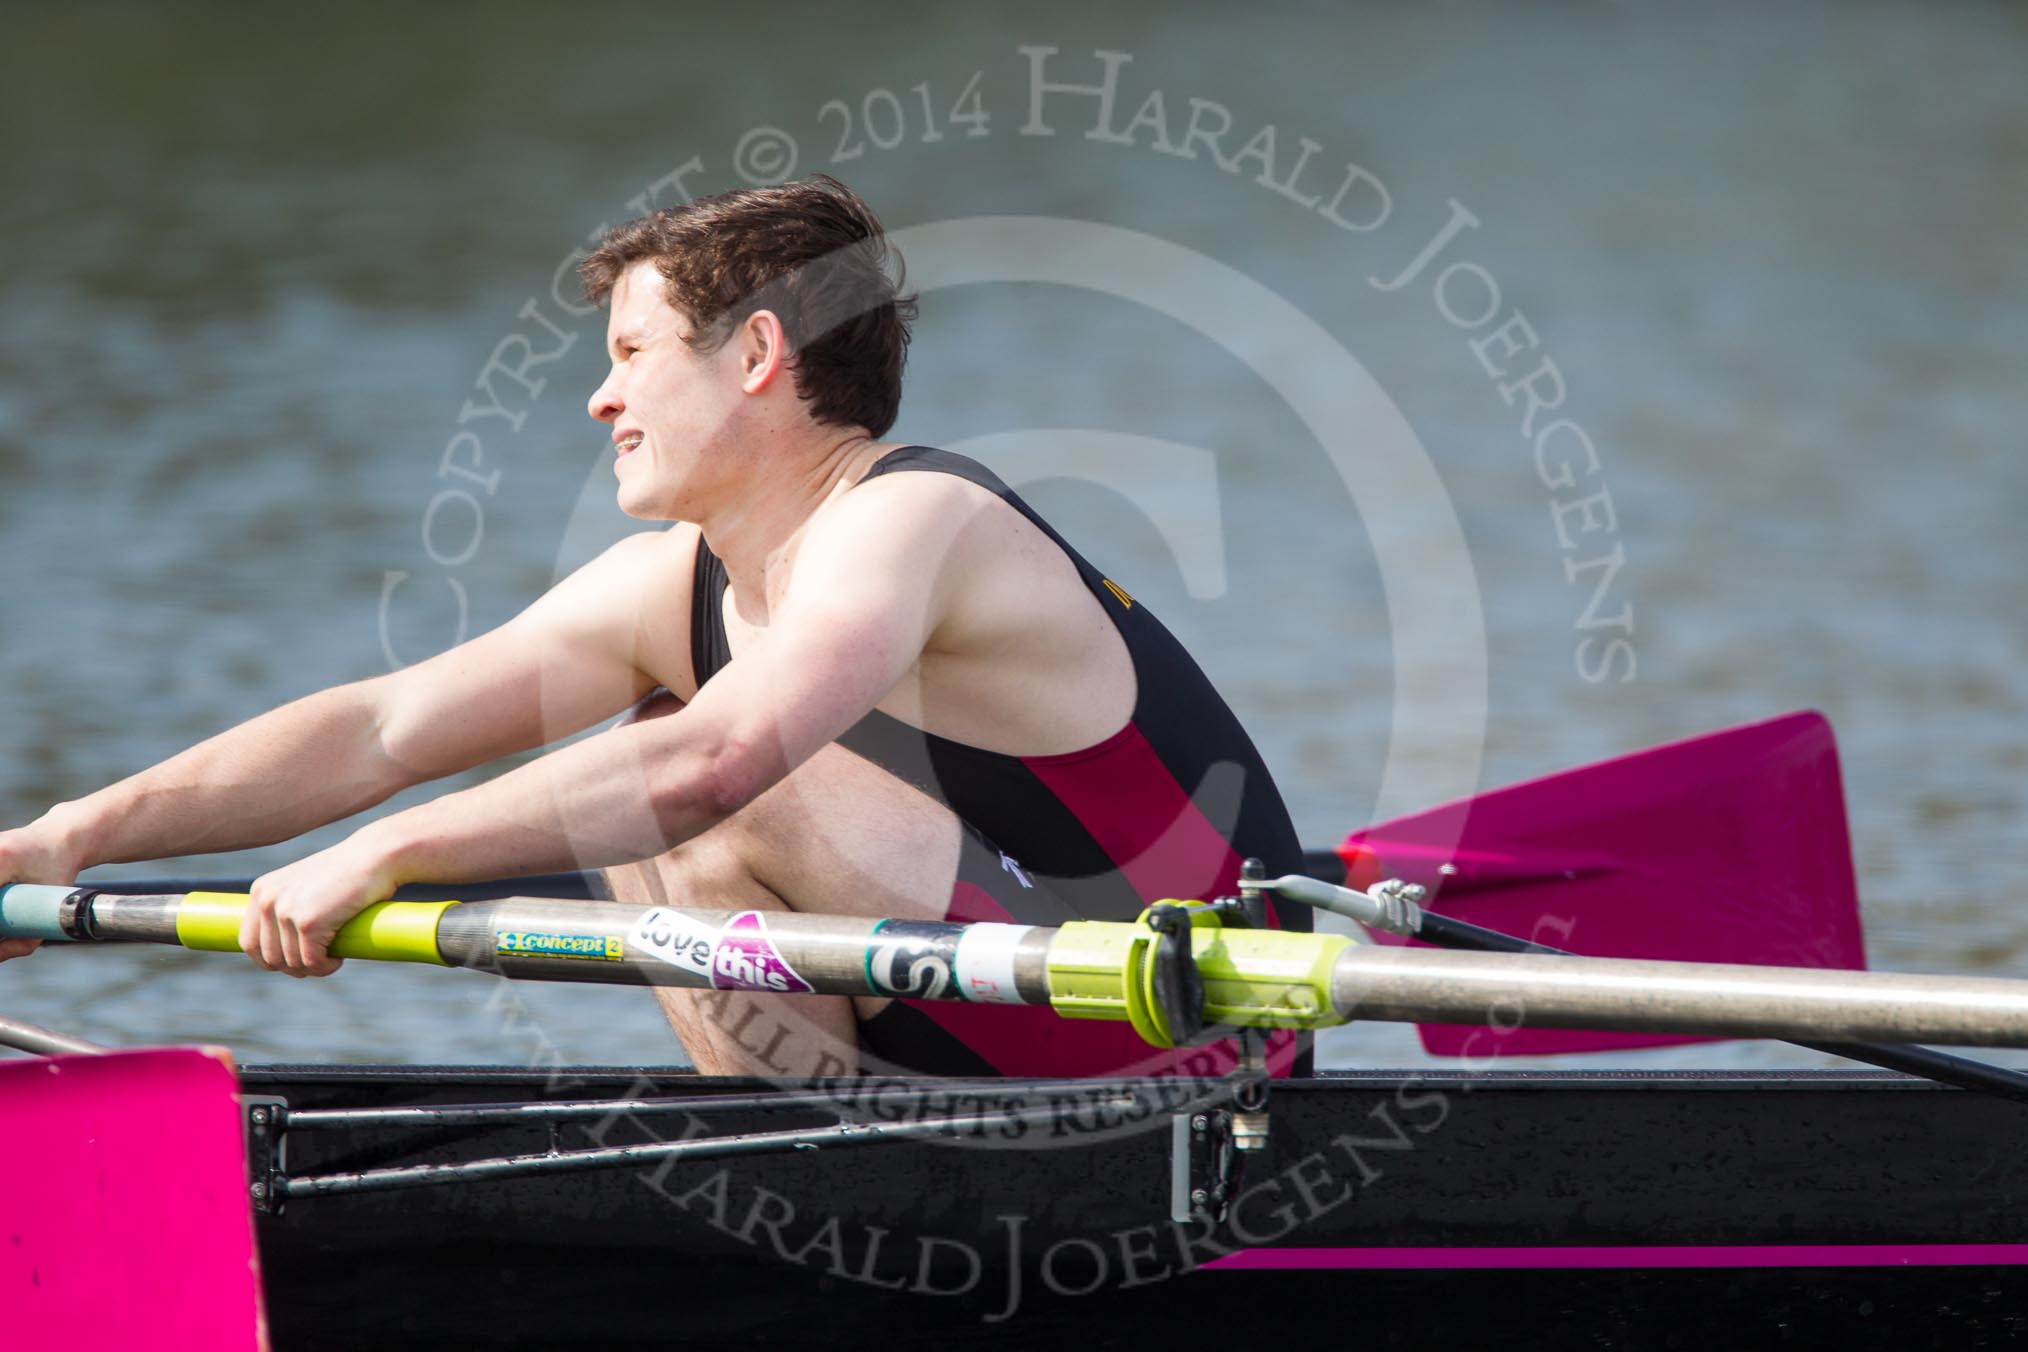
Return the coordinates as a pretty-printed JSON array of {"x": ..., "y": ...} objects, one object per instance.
[
  {"x": 642, "y": 506},
  {"x": 639, "y": 510}
]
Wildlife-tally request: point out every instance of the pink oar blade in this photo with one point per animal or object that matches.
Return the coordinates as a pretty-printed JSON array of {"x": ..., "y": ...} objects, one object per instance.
[
  {"x": 1729, "y": 847},
  {"x": 125, "y": 1221}
]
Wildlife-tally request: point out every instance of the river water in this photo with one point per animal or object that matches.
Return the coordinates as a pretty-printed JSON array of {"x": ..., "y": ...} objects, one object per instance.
[{"x": 263, "y": 418}]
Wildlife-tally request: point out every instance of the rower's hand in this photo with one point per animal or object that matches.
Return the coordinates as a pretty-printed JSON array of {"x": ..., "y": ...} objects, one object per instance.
[
  {"x": 296, "y": 911},
  {"x": 29, "y": 855}
]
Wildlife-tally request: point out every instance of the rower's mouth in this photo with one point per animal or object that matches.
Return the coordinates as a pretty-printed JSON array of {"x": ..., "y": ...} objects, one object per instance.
[{"x": 628, "y": 442}]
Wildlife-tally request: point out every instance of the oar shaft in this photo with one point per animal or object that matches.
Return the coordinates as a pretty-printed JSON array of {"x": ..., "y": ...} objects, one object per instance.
[
  {"x": 547, "y": 939},
  {"x": 1092, "y": 969},
  {"x": 1943, "y": 1067},
  {"x": 28, "y": 1037},
  {"x": 1795, "y": 1004},
  {"x": 777, "y": 951}
]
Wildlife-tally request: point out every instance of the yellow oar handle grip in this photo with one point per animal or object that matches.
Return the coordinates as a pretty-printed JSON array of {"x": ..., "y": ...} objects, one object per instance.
[{"x": 391, "y": 931}]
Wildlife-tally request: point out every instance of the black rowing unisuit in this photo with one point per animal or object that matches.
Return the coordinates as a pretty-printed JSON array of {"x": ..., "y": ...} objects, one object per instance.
[{"x": 1166, "y": 807}]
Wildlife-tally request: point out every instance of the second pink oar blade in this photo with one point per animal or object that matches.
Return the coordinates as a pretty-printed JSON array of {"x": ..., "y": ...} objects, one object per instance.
[
  {"x": 126, "y": 1220},
  {"x": 1729, "y": 847}
]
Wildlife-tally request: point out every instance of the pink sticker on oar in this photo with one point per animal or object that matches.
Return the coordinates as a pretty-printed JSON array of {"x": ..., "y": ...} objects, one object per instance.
[
  {"x": 125, "y": 1221},
  {"x": 746, "y": 959},
  {"x": 1730, "y": 847}
]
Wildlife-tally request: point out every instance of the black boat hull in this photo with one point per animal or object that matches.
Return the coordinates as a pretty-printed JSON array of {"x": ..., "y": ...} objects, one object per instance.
[{"x": 1510, "y": 1209}]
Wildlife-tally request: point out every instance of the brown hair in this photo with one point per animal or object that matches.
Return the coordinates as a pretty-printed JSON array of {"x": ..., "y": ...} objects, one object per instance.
[{"x": 813, "y": 253}]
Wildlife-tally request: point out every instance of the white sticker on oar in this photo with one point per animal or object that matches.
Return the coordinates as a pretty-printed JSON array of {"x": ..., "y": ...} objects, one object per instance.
[
  {"x": 985, "y": 963},
  {"x": 675, "y": 938}
]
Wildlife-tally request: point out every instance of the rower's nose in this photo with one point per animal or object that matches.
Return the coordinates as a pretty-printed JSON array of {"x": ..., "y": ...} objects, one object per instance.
[{"x": 605, "y": 403}]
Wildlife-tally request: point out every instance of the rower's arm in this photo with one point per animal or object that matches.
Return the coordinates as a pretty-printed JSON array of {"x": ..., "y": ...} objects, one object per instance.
[
  {"x": 559, "y": 666},
  {"x": 873, "y": 581}
]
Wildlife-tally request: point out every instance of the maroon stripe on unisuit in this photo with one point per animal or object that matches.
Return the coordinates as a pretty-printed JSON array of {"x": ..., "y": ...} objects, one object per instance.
[{"x": 1127, "y": 798}]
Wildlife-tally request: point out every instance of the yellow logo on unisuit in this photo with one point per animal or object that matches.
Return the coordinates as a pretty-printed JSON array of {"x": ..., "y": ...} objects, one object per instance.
[{"x": 1118, "y": 591}]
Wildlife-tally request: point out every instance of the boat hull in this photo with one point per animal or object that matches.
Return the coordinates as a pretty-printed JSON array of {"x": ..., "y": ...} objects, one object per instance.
[{"x": 1632, "y": 1209}]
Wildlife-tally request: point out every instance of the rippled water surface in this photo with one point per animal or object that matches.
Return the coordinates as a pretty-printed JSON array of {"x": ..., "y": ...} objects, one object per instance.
[{"x": 256, "y": 267}]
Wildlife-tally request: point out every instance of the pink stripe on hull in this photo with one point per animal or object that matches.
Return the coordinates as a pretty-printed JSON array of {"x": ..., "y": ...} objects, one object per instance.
[{"x": 1630, "y": 1256}]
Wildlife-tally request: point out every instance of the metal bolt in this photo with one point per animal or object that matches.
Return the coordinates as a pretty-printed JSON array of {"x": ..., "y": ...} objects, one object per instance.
[
  {"x": 1198, "y": 1196},
  {"x": 1200, "y": 1123},
  {"x": 257, "y": 1190},
  {"x": 260, "y": 1117}
]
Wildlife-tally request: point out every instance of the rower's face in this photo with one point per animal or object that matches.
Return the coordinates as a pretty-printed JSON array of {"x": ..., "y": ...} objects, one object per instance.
[{"x": 667, "y": 403}]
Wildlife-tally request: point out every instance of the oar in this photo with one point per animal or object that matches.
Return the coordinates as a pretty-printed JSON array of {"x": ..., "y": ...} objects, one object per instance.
[
  {"x": 1731, "y": 847},
  {"x": 1384, "y": 914},
  {"x": 28, "y": 1037},
  {"x": 1178, "y": 971}
]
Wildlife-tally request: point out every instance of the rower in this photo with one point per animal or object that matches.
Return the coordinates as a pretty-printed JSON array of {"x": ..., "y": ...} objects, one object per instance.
[{"x": 859, "y": 676}]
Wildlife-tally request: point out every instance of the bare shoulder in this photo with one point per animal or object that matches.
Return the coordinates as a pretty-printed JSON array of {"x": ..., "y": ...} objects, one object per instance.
[
  {"x": 645, "y": 567},
  {"x": 631, "y": 603},
  {"x": 929, "y": 521}
]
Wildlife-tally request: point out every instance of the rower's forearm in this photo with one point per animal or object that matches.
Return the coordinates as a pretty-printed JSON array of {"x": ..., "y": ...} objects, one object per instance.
[
  {"x": 291, "y": 770},
  {"x": 625, "y": 795}
]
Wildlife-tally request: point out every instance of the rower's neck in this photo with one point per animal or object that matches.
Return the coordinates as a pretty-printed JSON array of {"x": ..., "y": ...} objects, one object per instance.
[{"x": 756, "y": 535}]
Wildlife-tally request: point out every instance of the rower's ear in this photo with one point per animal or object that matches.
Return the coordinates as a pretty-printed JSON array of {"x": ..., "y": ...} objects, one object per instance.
[{"x": 762, "y": 350}]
